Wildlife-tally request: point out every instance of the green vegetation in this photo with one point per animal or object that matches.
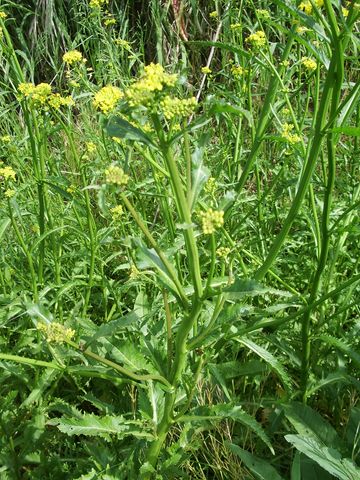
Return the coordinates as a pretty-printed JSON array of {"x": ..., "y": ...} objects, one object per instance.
[{"x": 179, "y": 233}]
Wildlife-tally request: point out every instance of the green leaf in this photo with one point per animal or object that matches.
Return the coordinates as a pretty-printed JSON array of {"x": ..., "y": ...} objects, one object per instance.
[
  {"x": 352, "y": 131},
  {"x": 95, "y": 426},
  {"x": 309, "y": 423},
  {"x": 296, "y": 467},
  {"x": 38, "y": 312},
  {"x": 109, "y": 329},
  {"x": 260, "y": 468},
  {"x": 200, "y": 174},
  {"x": 3, "y": 226},
  {"x": 120, "y": 128},
  {"x": 230, "y": 370},
  {"x": 269, "y": 358},
  {"x": 343, "y": 347},
  {"x": 328, "y": 458},
  {"x": 243, "y": 286}
]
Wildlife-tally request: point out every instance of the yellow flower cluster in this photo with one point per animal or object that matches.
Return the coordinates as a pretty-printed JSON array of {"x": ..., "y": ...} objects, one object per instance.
[
  {"x": 72, "y": 57},
  {"x": 235, "y": 26},
  {"x": 206, "y": 70},
  {"x": 175, "y": 107},
  {"x": 107, "y": 98},
  {"x": 41, "y": 95},
  {"x": 345, "y": 12},
  {"x": 301, "y": 29},
  {"x": 210, "y": 186},
  {"x": 223, "y": 252},
  {"x": 238, "y": 71},
  {"x": 122, "y": 43},
  {"x": 109, "y": 21},
  {"x": 309, "y": 64},
  {"x": 286, "y": 133},
  {"x": 117, "y": 212},
  {"x": 308, "y": 8},
  {"x": 97, "y": 3},
  {"x": 9, "y": 193},
  {"x": 264, "y": 14},
  {"x": 8, "y": 173},
  {"x": 153, "y": 80},
  {"x": 5, "y": 139},
  {"x": 3, "y": 15},
  {"x": 257, "y": 39},
  {"x": 116, "y": 175},
  {"x": 211, "y": 220},
  {"x": 213, "y": 14},
  {"x": 56, "y": 332},
  {"x": 90, "y": 147}
]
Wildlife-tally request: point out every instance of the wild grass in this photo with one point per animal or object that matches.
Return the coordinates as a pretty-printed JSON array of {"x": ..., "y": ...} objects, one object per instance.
[{"x": 179, "y": 280}]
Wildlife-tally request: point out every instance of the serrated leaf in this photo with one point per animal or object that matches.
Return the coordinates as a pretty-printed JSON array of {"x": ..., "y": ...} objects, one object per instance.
[
  {"x": 328, "y": 458},
  {"x": 309, "y": 423},
  {"x": 95, "y": 426},
  {"x": 269, "y": 358},
  {"x": 259, "y": 467},
  {"x": 244, "y": 286}
]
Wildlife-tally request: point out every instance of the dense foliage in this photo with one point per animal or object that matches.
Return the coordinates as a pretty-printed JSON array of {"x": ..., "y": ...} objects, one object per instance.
[{"x": 179, "y": 239}]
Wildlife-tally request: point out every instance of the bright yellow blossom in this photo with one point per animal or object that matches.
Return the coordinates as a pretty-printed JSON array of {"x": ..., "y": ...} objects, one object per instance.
[
  {"x": 3, "y": 15},
  {"x": 107, "y": 98},
  {"x": 235, "y": 26},
  {"x": 257, "y": 39},
  {"x": 213, "y": 14},
  {"x": 287, "y": 134},
  {"x": 223, "y": 252},
  {"x": 117, "y": 212},
  {"x": 211, "y": 220},
  {"x": 309, "y": 64},
  {"x": 8, "y": 172},
  {"x": 238, "y": 71},
  {"x": 9, "y": 193},
  {"x": 72, "y": 57},
  {"x": 153, "y": 80},
  {"x": 175, "y": 107},
  {"x": 206, "y": 70},
  {"x": 264, "y": 14}
]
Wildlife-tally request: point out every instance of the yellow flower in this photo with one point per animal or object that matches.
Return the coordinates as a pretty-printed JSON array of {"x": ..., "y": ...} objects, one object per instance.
[
  {"x": 3, "y": 15},
  {"x": 257, "y": 39},
  {"x": 223, "y": 252},
  {"x": 117, "y": 212},
  {"x": 236, "y": 26},
  {"x": 116, "y": 175},
  {"x": 206, "y": 70},
  {"x": 9, "y": 193},
  {"x": 56, "y": 332},
  {"x": 264, "y": 14},
  {"x": 153, "y": 80},
  {"x": 345, "y": 12},
  {"x": 238, "y": 71},
  {"x": 210, "y": 186},
  {"x": 56, "y": 101},
  {"x": 211, "y": 220},
  {"x": 109, "y": 21},
  {"x": 122, "y": 43},
  {"x": 26, "y": 89},
  {"x": 8, "y": 172},
  {"x": 175, "y": 107},
  {"x": 301, "y": 30},
  {"x": 307, "y": 7},
  {"x": 213, "y": 14},
  {"x": 5, "y": 139},
  {"x": 107, "y": 98},
  {"x": 72, "y": 57},
  {"x": 90, "y": 147},
  {"x": 292, "y": 138},
  {"x": 134, "y": 272},
  {"x": 309, "y": 64},
  {"x": 97, "y": 3}
]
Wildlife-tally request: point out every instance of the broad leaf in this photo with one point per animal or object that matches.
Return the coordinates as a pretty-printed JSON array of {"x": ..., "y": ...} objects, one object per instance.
[
  {"x": 95, "y": 426},
  {"x": 260, "y": 468},
  {"x": 328, "y": 458},
  {"x": 118, "y": 127}
]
